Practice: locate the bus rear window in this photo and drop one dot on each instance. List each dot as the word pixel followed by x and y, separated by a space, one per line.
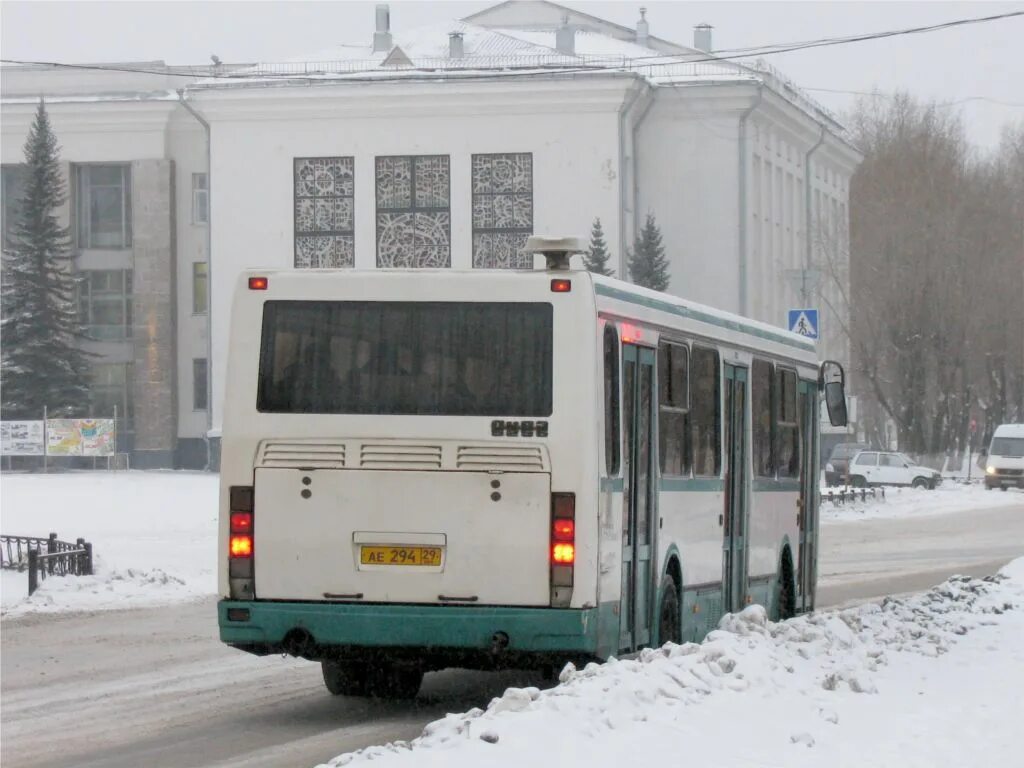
pixel 406 358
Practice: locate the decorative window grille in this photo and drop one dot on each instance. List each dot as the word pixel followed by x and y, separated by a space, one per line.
pixel 502 210
pixel 414 211
pixel 324 212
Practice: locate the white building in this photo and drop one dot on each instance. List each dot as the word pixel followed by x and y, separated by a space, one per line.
pixel 440 146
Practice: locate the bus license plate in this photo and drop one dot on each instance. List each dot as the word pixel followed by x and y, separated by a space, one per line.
pixel 400 556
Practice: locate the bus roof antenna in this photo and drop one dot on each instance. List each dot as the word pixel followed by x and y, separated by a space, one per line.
pixel 556 250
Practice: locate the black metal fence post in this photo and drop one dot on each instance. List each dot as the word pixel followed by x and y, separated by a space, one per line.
pixel 88 559
pixel 51 548
pixel 33 577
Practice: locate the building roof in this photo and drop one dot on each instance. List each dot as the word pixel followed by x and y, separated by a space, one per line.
pixel 515 37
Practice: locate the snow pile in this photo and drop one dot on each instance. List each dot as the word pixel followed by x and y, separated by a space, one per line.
pixel 916 502
pixel 153 534
pixel 758 692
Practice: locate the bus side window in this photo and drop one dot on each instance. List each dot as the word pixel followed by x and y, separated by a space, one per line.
pixel 787 430
pixel 673 409
pixel 611 400
pixel 706 412
pixel 761 387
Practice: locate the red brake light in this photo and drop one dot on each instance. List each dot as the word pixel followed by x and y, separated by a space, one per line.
pixel 563 554
pixel 561 285
pixel 564 530
pixel 241 522
pixel 241 545
pixel 258 283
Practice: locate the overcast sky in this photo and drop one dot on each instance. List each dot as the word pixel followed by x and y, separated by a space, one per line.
pixel 983 63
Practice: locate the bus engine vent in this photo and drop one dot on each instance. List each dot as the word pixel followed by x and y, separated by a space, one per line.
pixel 500 458
pixel 383 456
pixel 314 455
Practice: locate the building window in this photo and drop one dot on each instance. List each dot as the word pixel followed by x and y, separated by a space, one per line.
pixel 200 198
pixel 413 211
pixel 105 303
pixel 324 212
pixel 200 288
pixel 674 409
pixel 104 206
pixel 199 384
pixel 111 392
pixel 13 178
pixel 502 210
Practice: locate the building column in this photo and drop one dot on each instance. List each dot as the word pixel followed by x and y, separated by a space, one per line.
pixel 153 311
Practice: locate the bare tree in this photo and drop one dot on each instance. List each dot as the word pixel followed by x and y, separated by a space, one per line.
pixel 936 274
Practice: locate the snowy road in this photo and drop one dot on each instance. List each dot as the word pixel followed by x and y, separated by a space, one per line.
pixel 154 686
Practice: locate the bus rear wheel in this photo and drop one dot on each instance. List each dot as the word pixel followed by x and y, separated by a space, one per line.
pixel 395 681
pixel 669 628
pixel 345 678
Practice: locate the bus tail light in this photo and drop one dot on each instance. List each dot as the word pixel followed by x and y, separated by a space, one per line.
pixel 241 542
pixel 563 548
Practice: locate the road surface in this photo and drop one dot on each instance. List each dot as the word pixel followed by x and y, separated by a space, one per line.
pixel 154 687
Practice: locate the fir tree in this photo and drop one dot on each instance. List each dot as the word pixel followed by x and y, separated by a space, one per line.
pixel 596 257
pixel 40 364
pixel 648 266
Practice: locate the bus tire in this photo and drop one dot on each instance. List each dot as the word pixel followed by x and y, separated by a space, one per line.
pixel 786 603
pixel 669 624
pixel 345 678
pixel 395 681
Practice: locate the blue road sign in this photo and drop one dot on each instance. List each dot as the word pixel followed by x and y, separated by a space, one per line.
pixel 804 322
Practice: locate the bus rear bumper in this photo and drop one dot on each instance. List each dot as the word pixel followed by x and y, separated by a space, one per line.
pixel 435 635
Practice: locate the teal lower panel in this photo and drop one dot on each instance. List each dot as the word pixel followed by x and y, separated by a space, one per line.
pixel 413 626
pixel 702 610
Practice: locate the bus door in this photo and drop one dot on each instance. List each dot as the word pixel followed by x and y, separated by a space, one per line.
pixel 807 506
pixel 735 517
pixel 638 403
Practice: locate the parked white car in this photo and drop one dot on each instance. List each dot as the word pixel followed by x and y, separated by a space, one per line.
pixel 890 468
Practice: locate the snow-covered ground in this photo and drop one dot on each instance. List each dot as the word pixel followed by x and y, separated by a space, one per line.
pixel 914 502
pixel 932 680
pixel 153 535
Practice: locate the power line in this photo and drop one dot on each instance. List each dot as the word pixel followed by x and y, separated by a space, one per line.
pixel 885 95
pixel 653 61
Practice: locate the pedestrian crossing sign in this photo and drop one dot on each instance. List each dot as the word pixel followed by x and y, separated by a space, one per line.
pixel 804 322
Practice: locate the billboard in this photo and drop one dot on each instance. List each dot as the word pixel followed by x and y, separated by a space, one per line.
pixel 97 437
pixel 58 437
pixel 22 438
pixel 63 438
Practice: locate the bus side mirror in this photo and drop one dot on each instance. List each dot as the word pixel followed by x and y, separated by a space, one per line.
pixel 832 380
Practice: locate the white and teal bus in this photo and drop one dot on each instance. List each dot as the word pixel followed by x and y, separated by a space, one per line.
pixel 484 469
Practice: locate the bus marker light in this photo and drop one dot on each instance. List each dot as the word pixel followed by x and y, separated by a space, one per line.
pixel 241 545
pixel 561 285
pixel 563 553
pixel 258 283
pixel 631 333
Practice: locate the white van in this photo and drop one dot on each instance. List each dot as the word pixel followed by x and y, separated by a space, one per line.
pixel 1004 464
